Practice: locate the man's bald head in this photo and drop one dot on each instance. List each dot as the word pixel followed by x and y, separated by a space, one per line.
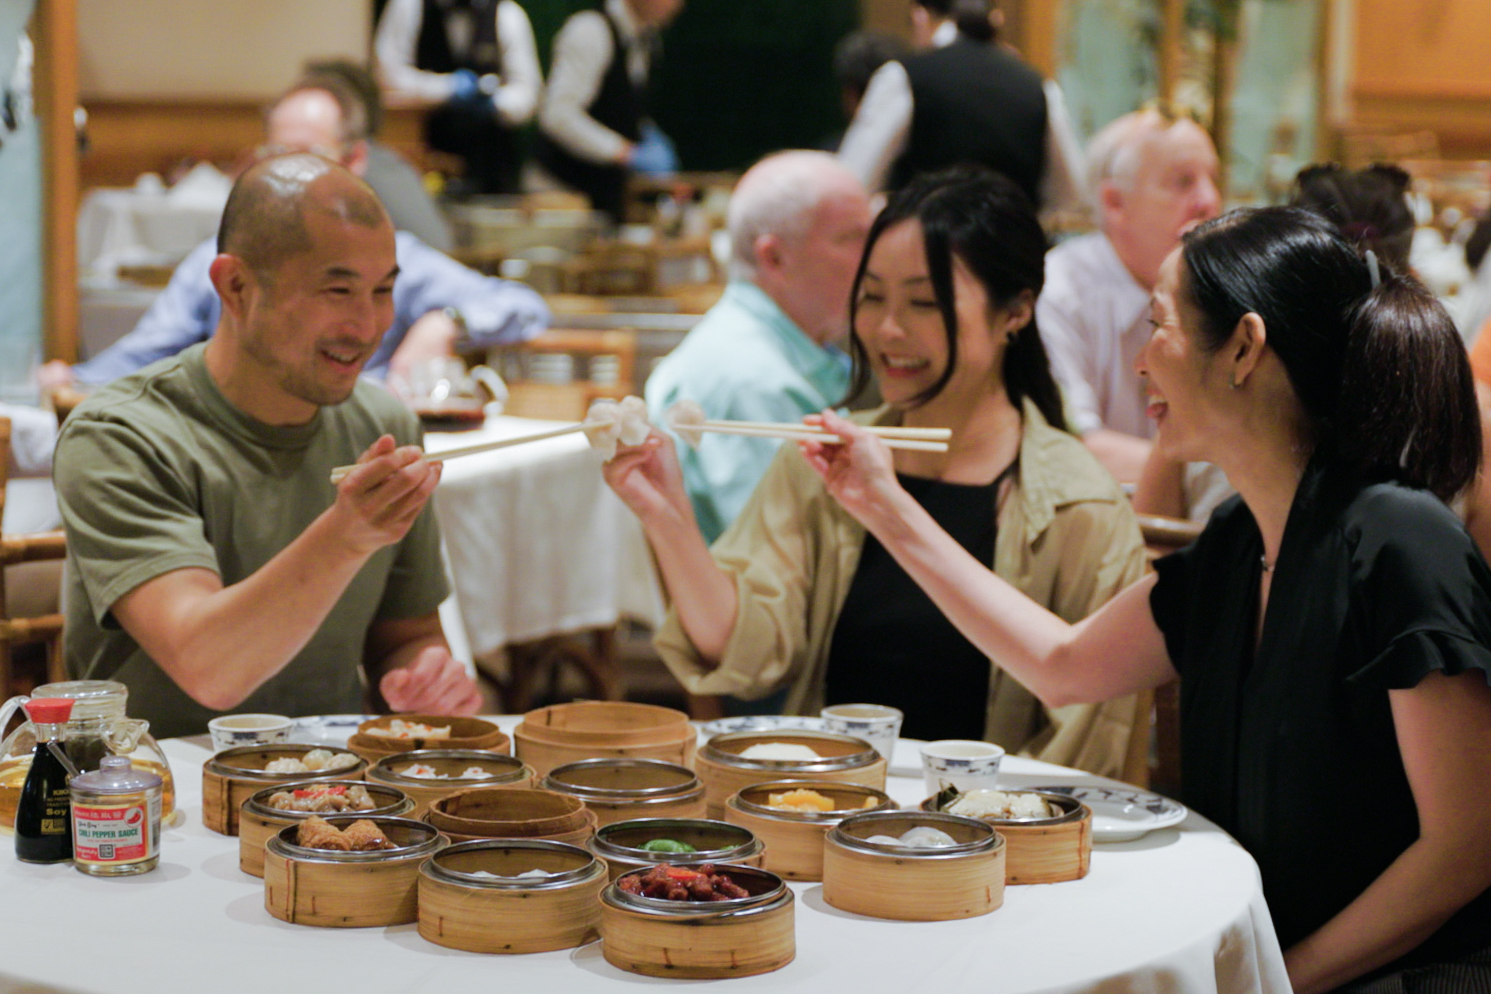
pixel 264 222
pixel 780 196
pixel 1155 177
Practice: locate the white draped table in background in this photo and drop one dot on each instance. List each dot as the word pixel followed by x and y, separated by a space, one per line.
pixel 1178 911
pixel 538 544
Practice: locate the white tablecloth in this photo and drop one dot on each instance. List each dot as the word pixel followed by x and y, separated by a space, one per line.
pixel 538 544
pixel 1179 911
pixel 131 227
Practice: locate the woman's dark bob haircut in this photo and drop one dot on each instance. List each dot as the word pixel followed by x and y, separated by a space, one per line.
pixel 986 221
pixel 1380 371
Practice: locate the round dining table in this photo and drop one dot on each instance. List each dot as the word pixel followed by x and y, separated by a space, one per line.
pixel 1179 910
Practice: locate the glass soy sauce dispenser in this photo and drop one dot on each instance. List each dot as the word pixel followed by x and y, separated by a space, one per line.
pixel 44 812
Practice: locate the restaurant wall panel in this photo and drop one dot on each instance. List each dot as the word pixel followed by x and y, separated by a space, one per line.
pixel 224 49
pixel 1424 66
pixel 167 80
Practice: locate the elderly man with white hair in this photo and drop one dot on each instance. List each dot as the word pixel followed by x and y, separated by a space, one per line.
pixel 766 351
pixel 1155 177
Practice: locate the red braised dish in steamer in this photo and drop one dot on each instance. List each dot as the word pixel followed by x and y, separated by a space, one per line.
pixel 676 883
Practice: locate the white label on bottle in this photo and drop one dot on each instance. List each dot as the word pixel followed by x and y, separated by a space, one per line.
pixel 116 833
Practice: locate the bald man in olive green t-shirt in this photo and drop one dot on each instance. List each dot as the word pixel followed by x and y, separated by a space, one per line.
pixel 213 566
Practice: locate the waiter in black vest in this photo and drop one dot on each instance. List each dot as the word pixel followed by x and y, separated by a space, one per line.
pixel 594 126
pixel 477 61
pixel 964 99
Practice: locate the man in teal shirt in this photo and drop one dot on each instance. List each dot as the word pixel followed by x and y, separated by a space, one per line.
pixel 766 351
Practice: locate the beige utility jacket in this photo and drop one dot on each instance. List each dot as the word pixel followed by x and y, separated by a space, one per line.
pixel 1066 537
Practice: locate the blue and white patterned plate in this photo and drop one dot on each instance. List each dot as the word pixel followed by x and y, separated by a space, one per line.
pixel 761 723
pixel 327 729
pixel 1120 814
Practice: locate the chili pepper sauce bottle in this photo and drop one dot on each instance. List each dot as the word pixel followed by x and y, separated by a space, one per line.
pixel 116 819
pixel 43 814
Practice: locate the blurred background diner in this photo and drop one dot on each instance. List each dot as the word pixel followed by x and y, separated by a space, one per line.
pixel 571 165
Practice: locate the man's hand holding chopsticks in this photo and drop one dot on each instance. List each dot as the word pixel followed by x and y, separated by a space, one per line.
pixel 378 501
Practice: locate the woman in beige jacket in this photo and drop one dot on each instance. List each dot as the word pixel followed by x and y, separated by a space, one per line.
pixel 796 594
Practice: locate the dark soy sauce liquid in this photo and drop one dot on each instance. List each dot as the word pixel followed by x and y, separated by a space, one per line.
pixel 43 814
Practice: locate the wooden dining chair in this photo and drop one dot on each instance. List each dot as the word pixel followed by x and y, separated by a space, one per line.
pixel 611 269
pixel 603 364
pixel 16 632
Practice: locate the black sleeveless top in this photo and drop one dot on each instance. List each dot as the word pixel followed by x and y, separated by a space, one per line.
pixel 621 106
pixel 975 103
pixel 891 644
pixel 433 52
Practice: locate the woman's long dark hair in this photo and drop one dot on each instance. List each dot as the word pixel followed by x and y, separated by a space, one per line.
pixel 1381 372
pixel 985 220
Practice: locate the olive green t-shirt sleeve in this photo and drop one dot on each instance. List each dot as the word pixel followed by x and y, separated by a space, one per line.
pixel 416 581
pixel 130 517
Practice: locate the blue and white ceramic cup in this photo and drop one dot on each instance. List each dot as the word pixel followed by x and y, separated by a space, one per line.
pixel 966 764
pixel 877 724
pixel 232 730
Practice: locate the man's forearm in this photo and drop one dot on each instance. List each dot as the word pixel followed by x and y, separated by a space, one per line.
pixel 702 593
pixel 223 645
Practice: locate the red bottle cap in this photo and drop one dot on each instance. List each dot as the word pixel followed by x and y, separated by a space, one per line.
pixel 49 710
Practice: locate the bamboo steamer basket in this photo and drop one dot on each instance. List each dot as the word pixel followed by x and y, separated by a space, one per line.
pixel 348 889
pixel 257 821
pixel 566 733
pixel 465 733
pixel 234 775
pixel 575 837
pixel 794 839
pixel 701 940
pixel 909 884
pixel 725 773
pixel 513 915
pixel 512 813
pixel 506 771
pixel 620 843
pixel 624 789
pixel 1043 850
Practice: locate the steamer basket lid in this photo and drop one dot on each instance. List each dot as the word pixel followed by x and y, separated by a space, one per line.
pixel 520 851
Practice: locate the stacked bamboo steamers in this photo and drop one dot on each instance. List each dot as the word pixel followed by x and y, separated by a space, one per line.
pixel 605 815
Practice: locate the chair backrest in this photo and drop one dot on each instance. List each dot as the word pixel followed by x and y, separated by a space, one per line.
pixel 1163 535
pixel 14 551
pixel 613 269
pixel 559 374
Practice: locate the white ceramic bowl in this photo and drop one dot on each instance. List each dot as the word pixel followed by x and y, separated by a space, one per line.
pixel 963 763
pixel 232 730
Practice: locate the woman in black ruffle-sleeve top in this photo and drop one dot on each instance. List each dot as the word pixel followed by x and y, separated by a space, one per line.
pixel 1331 627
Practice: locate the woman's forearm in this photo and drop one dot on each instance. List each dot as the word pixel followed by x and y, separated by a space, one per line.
pixel 701 592
pixel 1023 637
pixel 1412 898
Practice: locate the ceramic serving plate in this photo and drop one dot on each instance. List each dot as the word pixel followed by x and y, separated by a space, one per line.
pixel 327 729
pixel 761 723
pixel 1121 814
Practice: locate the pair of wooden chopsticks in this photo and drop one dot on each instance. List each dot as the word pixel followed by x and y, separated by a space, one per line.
pixel 340 473
pixel 919 439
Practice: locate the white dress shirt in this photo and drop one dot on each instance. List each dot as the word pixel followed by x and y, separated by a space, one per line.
pixel 582 55
pixel 1093 317
pixel 517 94
pixel 877 137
